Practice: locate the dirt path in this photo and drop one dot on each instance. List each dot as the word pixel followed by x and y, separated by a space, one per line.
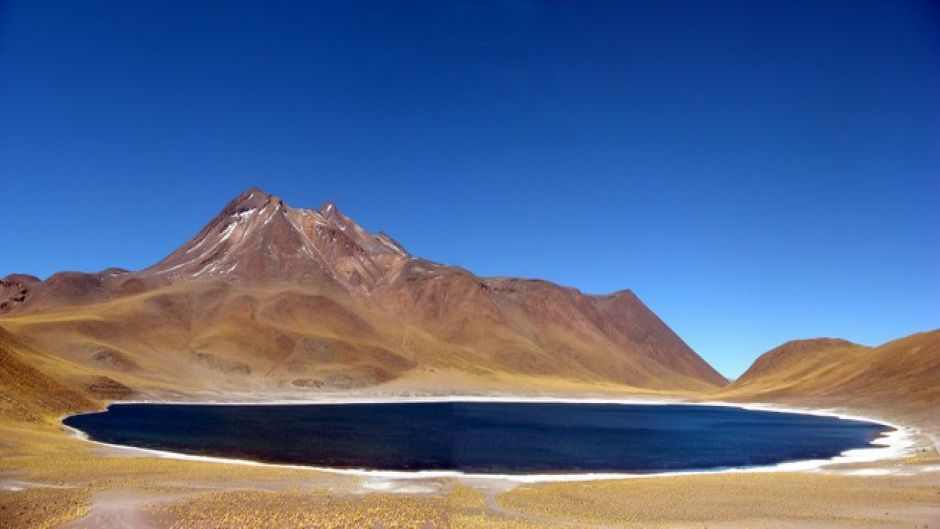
pixel 125 509
pixel 492 503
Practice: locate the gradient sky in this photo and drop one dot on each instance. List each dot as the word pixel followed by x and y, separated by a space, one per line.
pixel 755 171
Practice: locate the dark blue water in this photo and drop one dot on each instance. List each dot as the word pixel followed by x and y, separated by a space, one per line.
pixel 483 437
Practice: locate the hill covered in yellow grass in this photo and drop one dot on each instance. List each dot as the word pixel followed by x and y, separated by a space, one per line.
pixel 902 375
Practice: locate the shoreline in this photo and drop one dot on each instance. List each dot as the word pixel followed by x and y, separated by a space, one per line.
pixel 889 445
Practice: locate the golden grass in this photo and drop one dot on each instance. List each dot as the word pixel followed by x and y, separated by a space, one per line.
pixel 897 380
pixel 314 508
pixel 42 508
pixel 759 500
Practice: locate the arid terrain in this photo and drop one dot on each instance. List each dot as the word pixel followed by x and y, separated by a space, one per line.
pixel 271 302
pixel 269 297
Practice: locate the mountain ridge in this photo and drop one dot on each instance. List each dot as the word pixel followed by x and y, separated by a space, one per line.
pixel 271 295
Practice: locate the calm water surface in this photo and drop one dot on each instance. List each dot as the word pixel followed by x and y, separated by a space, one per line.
pixel 483 437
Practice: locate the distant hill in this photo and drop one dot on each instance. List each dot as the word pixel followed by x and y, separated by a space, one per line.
pixel 901 376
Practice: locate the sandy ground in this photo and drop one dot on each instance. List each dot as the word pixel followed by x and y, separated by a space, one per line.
pixel 50 478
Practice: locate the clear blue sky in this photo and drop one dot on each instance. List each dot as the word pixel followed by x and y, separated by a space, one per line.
pixel 755 171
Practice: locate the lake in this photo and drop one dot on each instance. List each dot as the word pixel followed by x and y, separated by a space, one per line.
pixel 483 437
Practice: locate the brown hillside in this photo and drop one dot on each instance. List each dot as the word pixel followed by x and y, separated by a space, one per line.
pixel 902 375
pixel 274 298
pixel 28 394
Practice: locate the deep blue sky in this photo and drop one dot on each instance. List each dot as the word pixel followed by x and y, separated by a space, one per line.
pixel 755 171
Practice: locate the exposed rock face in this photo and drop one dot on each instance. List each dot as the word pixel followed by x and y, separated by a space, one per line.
pixel 307 298
pixel 113 360
pixel 14 290
pixel 258 239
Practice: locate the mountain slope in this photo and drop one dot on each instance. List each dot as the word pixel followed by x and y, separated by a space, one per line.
pixel 799 366
pixel 274 298
pixel 901 375
pixel 28 394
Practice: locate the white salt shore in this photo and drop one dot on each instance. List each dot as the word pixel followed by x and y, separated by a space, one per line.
pixel 891 445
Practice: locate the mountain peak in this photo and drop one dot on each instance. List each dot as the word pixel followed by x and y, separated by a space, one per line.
pixel 328 209
pixel 249 199
pixel 258 238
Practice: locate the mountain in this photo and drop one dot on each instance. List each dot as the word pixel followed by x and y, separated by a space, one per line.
pixel 274 298
pixel 259 239
pixel 901 375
